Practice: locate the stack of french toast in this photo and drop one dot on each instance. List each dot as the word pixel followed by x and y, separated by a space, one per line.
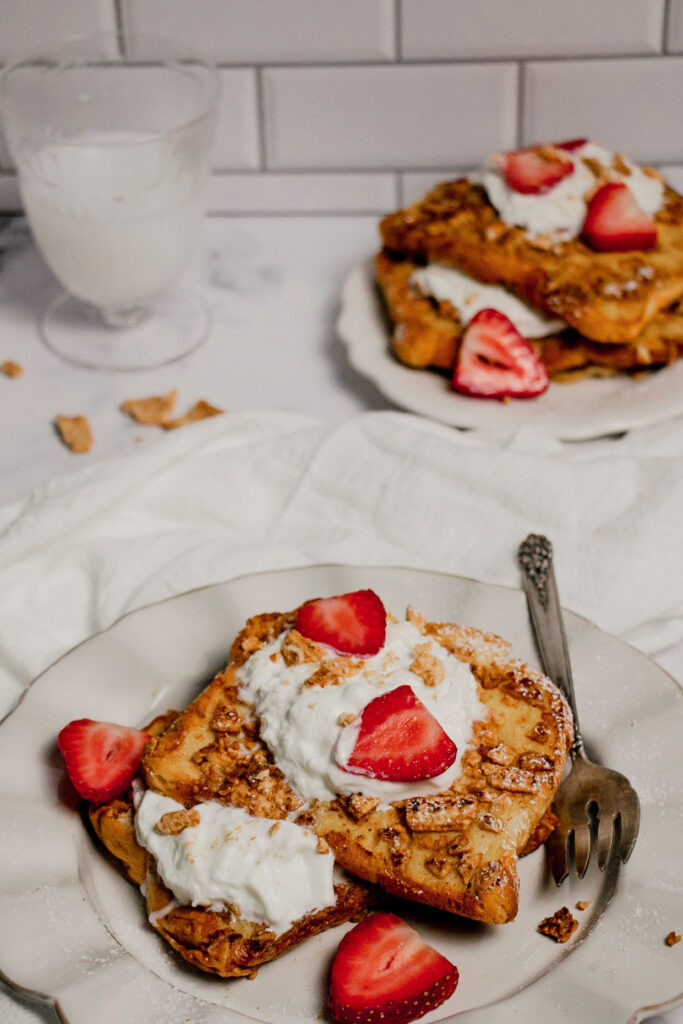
pixel 341 756
pixel 578 249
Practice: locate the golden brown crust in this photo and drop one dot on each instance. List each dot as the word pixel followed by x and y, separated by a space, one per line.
pixel 220 943
pixel 608 297
pixel 457 851
pixel 427 334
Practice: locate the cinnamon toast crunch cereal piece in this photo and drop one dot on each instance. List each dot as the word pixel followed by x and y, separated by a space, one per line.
pixel 11 369
pixel 201 410
pixel 153 411
pixel 75 432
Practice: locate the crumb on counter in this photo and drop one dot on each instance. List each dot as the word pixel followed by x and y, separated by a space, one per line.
pixel 560 926
pixel 672 938
pixel 11 369
pixel 201 410
pixel 153 411
pixel 75 432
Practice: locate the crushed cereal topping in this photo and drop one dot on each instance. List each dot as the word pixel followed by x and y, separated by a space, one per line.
pixel 427 666
pixel 672 938
pixel 173 823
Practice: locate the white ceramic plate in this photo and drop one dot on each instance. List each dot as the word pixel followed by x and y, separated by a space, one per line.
pixel 571 412
pixel 73 930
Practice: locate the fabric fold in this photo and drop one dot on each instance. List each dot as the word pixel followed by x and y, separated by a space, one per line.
pixel 256 491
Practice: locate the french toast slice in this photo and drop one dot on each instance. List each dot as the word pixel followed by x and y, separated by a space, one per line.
pixel 218 942
pixel 427 333
pixel 457 849
pixel 605 296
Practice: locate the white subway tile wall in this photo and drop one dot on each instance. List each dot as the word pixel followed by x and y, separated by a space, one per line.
pixel 411 116
pixel 272 31
pixel 354 106
pixel 448 30
pixel 630 104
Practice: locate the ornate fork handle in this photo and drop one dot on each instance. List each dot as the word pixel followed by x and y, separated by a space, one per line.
pixel 538 576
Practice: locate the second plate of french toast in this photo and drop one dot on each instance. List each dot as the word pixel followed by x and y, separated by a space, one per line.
pixel 544 289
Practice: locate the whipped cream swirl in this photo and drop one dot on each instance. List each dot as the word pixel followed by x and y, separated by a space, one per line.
pixel 561 211
pixel 302 725
pixel 271 871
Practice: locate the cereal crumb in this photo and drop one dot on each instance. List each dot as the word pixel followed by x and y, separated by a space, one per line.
pixel 275 827
pixel 583 904
pixel 201 410
pixel 427 666
pixel 321 845
pixel 152 411
pixel 75 432
pixel 173 823
pixel 560 927
pixel 346 719
pixel 672 938
pixel 11 369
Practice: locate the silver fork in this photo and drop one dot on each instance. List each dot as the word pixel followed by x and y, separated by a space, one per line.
pixel 589 790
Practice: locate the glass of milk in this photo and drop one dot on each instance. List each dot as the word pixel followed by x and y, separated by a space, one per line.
pixel 111 138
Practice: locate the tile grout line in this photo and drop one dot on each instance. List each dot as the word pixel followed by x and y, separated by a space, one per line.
pixel 665 25
pixel 521 100
pixel 398 34
pixel 261 119
pixel 439 62
pixel 119 22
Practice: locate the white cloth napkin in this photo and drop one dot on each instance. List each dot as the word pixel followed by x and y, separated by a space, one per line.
pixel 247 492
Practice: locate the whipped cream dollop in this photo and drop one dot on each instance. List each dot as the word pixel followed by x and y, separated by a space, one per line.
pixel 561 210
pixel 302 725
pixel 270 870
pixel 469 297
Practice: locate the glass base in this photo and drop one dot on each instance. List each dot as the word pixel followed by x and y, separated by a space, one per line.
pixel 171 327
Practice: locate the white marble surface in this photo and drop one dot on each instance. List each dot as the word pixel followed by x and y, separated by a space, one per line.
pixel 273 285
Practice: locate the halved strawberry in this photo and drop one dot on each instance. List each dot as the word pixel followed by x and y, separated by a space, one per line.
pixel 101 758
pixel 354 623
pixel 535 169
pixel 495 361
pixel 615 223
pixel 397 738
pixel 383 971
pixel 570 145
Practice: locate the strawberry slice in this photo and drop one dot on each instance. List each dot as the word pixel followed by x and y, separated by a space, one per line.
pixel 535 169
pixel 615 223
pixel 383 971
pixel 397 738
pixel 495 361
pixel 101 758
pixel 570 145
pixel 354 623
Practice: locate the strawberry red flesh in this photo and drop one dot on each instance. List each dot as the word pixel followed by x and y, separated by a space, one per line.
pixel 383 971
pixel 495 361
pixel 101 758
pixel 354 623
pixel 615 223
pixel 535 169
pixel 399 739
pixel 570 145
